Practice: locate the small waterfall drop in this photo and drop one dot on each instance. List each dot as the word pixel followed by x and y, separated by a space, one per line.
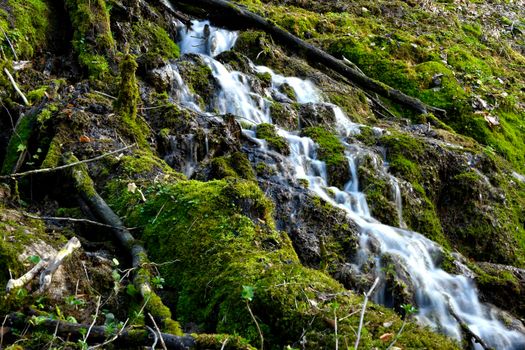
pixel 436 290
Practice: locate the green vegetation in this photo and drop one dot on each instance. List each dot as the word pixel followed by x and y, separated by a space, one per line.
pixel 223 234
pixel 332 152
pixel 446 60
pixel 92 40
pixel 25 23
pixel 235 165
pixel 268 133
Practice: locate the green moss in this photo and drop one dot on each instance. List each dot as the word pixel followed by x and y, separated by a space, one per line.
pixel 22 231
pixel 37 95
pixel 26 25
pixel 223 234
pixel 127 102
pixel 220 342
pixel 235 165
pixel 18 142
pixel 332 152
pixel 156 39
pixel 54 153
pixel 92 39
pixel 268 133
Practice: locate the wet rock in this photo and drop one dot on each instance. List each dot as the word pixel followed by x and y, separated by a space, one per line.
pixel 314 114
pixel 503 286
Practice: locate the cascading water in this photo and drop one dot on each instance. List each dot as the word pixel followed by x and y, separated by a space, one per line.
pixel 436 290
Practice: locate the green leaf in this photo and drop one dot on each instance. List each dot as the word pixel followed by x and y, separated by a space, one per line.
pixel 247 293
pixel 34 259
pixel 21 147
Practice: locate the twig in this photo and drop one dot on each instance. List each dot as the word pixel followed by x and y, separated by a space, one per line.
pixel 49 170
pixel 224 343
pixel 367 295
pixel 54 337
pixel 256 324
pixel 335 326
pixel 112 339
pixel 10 45
pixel 2 332
pixel 86 221
pixel 398 333
pixel 465 328
pixel 155 339
pixel 94 320
pixel 27 277
pixel 17 89
pixel 104 94
pixel 158 331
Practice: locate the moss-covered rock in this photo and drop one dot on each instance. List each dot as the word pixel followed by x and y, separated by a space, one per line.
pixel 223 235
pixel 268 133
pixel 92 40
pixel 332 152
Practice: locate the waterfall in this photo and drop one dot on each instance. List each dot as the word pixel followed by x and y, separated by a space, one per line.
pixel 436 290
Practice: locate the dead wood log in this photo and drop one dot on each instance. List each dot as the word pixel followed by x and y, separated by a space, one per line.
pixel 98 334
pixel 56 261
pixel 226 13
pixel 86 188
pixel 48 265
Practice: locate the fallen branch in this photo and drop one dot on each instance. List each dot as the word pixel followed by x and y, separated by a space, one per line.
pixel 15 86
pixel 99 334
pixel 466 329
pixel 74 220
pixel 49 266
pixel 66 166
pixel 26 278
pixel 47 275
pixel 86 188
pixel 228 14
pixel 361 319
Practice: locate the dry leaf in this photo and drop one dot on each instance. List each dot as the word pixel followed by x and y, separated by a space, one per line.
pixel 386 337
pixel 84 139
pixel 132 187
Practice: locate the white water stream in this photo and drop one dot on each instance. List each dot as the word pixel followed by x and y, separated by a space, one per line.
pixel 435 289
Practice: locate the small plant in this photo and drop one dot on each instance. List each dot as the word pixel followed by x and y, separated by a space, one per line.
pixel 158 282
pixel 409 310
pixel 247 294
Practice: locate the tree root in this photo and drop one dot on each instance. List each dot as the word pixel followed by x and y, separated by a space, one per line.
pixel 228 14
pixel 86 188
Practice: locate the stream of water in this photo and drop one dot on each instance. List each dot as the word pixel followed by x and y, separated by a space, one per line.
pixel 436 290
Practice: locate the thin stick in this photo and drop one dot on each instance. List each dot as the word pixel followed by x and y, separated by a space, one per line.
pixel 367 295
pixel 104 94
pixel 335 326
pixel 49 170
pixel 2 332
pixel 112 339
pixel 54 337
pixel 86 221
pixel 223 343
pixel 159 332
pixel 17 89
pixel 94 320
pixel 10 45
pixel 155 339
pixel 256 324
